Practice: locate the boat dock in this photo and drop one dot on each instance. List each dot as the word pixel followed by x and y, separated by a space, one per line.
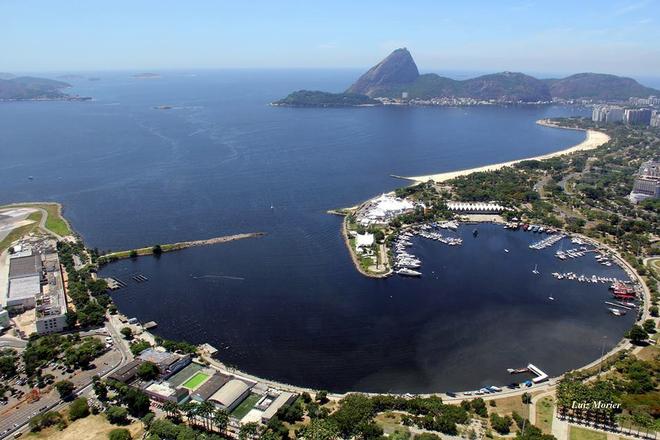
pixel 540 375
pixel 140 278
pixel 114 283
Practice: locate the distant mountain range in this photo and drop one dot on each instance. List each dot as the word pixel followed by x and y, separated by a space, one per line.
pixel 398 73
pixel 31 88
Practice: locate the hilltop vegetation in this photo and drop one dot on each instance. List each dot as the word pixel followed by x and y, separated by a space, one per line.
pixel 313 98
pixel 27 87
pixel 398 73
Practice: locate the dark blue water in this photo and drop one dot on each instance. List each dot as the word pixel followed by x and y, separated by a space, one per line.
pixel 294 309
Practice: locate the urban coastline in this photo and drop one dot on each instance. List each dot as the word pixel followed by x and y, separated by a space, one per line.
pixel 373 258
pixel 53 289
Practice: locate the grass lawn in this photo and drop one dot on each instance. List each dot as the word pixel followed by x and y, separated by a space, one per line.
pixel 245 406
pixel 586 434
pixel 196 380
pixel 16 234
pixel 391 422
pixel 507 405
pixel 654 264
pixel 544 412
pixel 54 221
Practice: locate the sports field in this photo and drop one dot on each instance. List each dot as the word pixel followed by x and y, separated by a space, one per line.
pixel 195 380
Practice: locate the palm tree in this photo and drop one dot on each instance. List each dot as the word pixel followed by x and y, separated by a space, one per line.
pixel 221 419
pixel 249 431
pixel 205 410
pixel 190 410
pixel 172 409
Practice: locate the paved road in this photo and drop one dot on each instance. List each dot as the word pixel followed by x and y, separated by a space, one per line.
pixel 11 342
pixel 17 418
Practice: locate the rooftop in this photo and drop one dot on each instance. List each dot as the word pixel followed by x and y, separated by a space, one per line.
pixel 24 287
pixel 209 388
pixel 230 392
pixel 24 266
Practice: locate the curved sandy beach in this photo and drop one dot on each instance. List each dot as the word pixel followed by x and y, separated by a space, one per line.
pixel 593 140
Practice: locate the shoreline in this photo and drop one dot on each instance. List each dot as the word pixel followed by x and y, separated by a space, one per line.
pixel 593 140
pixel 356 262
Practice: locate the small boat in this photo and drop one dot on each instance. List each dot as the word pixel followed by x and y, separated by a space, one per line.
pixel 408 272
pixel 517 370
pixel 616 312
pixel 551 298
pixel 536 269
pixel 475 233
pixel 506 250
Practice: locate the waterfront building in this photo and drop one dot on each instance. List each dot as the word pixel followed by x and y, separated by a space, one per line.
pixel 210 387
pixel 476 207
pixel 647 183
pixel 36 282
pixel 163 392
pixel 363 242
pixel 272 402
pixel 231 394
pixel 168 363
pixel 383 209
pixel 128 372
pixel 637 116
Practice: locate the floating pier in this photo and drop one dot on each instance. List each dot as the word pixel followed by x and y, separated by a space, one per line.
pixel 540 375
pixel 140 278
pixel 114 283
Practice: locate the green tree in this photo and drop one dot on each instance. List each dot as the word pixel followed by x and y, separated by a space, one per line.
pixel 322 397
pixel 221 419
pixel 249 431
pixel 319 429
pixel 138 347
pixel 99 388
pixel 8 364
pixel 117 415
pixel 119 434
pixel 501 424
pixel 157 250
pixel 65 388
pixel 479 407
pixel 79 409
pixel 148 371
pixel 637 334
pixel 127 333
pixel 649 326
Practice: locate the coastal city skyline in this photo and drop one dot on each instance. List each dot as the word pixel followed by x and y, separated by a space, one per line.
pixel 616 37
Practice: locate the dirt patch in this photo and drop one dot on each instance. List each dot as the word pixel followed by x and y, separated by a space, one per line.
pixel 90 428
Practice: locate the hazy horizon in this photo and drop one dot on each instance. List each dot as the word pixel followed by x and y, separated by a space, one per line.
pixel 523 36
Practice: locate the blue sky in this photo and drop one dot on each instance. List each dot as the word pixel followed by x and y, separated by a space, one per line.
pixel 620 37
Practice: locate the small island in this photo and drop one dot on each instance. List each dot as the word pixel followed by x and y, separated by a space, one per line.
pixel 146 75
pixel 314 98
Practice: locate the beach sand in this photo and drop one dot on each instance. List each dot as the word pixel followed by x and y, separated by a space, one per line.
pixel 593 140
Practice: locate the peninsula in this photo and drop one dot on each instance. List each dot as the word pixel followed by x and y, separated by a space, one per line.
pixel 28 88
pixel 396 80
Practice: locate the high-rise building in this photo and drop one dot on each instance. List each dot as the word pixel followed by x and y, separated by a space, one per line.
pixel 635 116
pixel 655 118
pixel 647 183
pixel 607 113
